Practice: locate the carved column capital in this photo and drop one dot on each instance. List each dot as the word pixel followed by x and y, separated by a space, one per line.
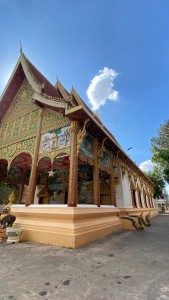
pixel 74 127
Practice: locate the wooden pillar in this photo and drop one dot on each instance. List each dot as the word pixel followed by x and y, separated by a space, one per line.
pixel 96 179
pixel 73 173
pixel 33 175
pixel 112 183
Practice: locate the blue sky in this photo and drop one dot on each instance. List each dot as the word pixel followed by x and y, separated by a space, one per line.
pixel 75 39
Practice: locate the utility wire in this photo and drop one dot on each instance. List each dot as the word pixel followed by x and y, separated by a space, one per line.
pixel 142 155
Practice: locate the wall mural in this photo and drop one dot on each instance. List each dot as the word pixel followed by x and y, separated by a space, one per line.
pixel 85 192
pixel 86 151
pixel 105 162
pixel 55 139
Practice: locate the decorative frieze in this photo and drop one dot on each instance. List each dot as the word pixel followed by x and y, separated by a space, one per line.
pixel 53 120
pixel 10 152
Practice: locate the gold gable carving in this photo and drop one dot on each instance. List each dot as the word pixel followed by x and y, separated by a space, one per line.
pixel 22 103
pixel 20 121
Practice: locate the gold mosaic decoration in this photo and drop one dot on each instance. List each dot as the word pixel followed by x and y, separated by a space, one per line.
pixel 22 103
pixel 53 154
pixel 19 123
pixel 53 120
pixel 10 152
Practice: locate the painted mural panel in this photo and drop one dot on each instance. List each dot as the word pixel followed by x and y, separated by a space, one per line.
pixel 87 146
pixel 86 192
pixel 54 139
pixel 105 161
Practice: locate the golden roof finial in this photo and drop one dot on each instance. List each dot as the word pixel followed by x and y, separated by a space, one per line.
pixel 20 48
pixel 57 77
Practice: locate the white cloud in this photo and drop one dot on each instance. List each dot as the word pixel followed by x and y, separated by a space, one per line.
pixel 146 165
pixel 101 88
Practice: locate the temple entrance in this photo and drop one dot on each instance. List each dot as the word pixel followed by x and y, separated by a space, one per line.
pixel 139 199
pixel 105 197
pixel 42 191
pixel 18 176
pixel 133 195
pixel 85 183
pixel 58 183
pixel 52 183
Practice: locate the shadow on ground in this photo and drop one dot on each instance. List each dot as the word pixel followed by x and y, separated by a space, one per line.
pixel 126 265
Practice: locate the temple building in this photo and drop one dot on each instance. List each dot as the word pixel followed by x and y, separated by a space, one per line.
pixel 72 180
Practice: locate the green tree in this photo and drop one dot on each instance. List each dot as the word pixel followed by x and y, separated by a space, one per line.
pixel 157 178
pixel 160 149
pixel 5 191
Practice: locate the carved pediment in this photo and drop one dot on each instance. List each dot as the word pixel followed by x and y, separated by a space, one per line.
pixel 21 104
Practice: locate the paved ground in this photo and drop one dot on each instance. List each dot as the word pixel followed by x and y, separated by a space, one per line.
pixel 123 266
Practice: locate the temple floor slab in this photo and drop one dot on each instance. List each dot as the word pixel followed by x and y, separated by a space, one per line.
pixel 68 226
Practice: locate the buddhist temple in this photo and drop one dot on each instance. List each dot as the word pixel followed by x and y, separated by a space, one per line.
pixel 71 178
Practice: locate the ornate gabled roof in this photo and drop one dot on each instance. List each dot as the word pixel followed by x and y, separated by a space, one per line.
pixel 25 69
pixel 64 93
pixel 48 88
pixel 11 88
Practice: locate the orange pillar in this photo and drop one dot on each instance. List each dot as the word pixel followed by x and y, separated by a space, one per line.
pixel 73 173
pixel 33 175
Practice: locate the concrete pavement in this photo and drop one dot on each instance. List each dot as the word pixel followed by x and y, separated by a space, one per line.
pixel 126 265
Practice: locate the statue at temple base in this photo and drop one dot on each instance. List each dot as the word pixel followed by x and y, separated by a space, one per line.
pixel 6 219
